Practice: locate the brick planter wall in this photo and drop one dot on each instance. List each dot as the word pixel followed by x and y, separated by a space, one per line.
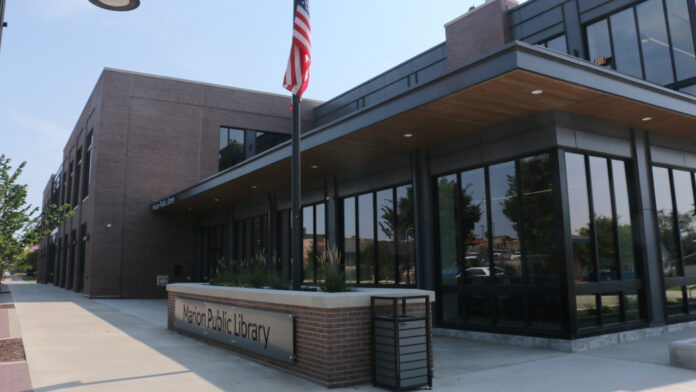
pixel 333 346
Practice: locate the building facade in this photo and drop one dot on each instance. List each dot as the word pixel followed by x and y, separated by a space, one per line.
pixel 536 170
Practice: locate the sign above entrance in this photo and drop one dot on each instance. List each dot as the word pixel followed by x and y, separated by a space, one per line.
pixel 271 334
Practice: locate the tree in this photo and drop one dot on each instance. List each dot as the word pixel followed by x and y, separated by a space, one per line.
pixel 21 225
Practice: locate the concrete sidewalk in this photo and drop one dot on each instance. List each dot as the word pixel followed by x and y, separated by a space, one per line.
pixel 73 343
pixel 14 374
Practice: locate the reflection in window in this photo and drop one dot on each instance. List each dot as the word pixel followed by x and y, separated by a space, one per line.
pixel 251 239
pixel 474 227
pixel 684 195
pixel 598 43
pixel 558 44
pixel 586 314
pixel 350 244
pixel 447 196
pixel 507 260
pixel 632 305
pixel 623 221
pixel 385 239
pixel 654 42
pixel 691 297
pixel 611 309
pixel 675 300
pixel 539 239
pixel 665 223
pixel 583 262
pixel 603 219
pixel 510 310
pixel 451 309
pixel 682 39
pixel 231 147
pixel 623 33
pixel 366 233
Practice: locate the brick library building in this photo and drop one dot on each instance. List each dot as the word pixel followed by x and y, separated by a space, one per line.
pixel 536 170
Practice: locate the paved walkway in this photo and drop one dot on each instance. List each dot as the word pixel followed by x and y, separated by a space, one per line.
pixel 14 374
pixel 73 343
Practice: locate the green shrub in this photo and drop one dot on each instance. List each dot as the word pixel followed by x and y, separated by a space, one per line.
pixel 335 278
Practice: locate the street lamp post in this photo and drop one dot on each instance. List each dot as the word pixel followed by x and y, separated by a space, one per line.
pixel 3 24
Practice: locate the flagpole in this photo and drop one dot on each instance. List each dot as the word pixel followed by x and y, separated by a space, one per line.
pixel 296 197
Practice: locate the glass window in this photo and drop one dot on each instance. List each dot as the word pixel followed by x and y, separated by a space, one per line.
pixel 474 227
pixel 89 141
pixel 544 310
pixel 478 309
pixel 406 231
pixel 558 44
pixel 78 173
pixel 451 309
pixel 691 296
pixel 623 33
pixel 623 221
pixel 320 240
pixel 386 222
pixel 539 238
pixel 689 90
pixel 350 240
pixel 366 233
pixel 308 247
pixel 654 42
pixel 684 195
pixel 675 300
pixel 587 315
pixel 682 39
pixel 510 310
pixel 231 151
pixel 632 306
pixel 611 309
pixel 665 222
pixel 446 192
pixel 507 260
pixel 598 43
pixel 603 219
pixel 583 264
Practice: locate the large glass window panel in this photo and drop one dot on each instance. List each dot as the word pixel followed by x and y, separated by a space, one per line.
pixel 539 225
pixel 675 300
pixel 507 259
pixel 474 227
pixel 366 234
pixel 665 222
pixel 654 42
pixel 598 42
pixel 586 313
pixel 558 44
pixel 682 38
pixel 405 235
pixel 248 240
pixel 320 232
pixel 350 244
pixel 623 221
pixel 386 222
pixel 691 297
pixel 689 90
pixel 625 39
pixel 223 137
pixel 684 194
pixel 446 200
pixel 604 219
pixel 308 249
pixel 583 260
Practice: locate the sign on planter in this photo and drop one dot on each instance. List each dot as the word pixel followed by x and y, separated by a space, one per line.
pixel 260 331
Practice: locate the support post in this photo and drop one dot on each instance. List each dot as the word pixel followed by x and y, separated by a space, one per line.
pixel 296 197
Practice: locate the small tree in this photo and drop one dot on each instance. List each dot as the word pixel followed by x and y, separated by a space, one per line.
pixel 21 225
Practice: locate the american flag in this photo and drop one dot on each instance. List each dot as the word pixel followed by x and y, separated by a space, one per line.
pixel 297 73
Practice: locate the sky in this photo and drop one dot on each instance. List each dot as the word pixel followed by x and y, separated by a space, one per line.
pixel 53 52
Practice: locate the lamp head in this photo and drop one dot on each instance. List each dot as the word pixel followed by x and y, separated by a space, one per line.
pixel 116 5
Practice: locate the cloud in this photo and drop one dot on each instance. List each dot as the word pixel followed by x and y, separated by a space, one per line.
pixel 51 132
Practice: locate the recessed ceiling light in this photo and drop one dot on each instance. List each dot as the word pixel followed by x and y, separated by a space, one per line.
pixel 408 135
pixel 646 119
pixel 215 200
pixel 188 209
pixel 314 166
pixel 537 92
pixel 254 187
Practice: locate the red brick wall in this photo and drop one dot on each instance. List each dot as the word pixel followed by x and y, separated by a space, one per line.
pixel 333 347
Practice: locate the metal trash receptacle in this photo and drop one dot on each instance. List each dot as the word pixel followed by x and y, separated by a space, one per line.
pixel 402 344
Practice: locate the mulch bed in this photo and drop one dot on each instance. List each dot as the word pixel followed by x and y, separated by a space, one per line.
pixel 11 350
